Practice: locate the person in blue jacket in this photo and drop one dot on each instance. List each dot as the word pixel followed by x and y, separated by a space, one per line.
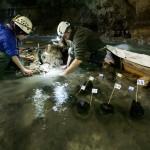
pixel 10 34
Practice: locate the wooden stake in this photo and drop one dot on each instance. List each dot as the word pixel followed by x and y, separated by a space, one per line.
pixel 91 99
pixel 136 98
pixel 111 95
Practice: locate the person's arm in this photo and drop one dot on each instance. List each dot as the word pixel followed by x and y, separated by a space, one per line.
pixel 25 71
pixel 69 60
pixel 72 66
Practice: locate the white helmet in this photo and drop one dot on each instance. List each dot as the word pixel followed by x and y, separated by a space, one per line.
pixel 23 23
pixel 63 25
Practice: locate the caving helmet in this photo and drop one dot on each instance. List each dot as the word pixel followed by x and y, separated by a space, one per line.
pixel 61 29
pixel 23 23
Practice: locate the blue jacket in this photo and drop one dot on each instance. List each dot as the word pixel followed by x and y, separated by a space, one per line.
pixel 8 41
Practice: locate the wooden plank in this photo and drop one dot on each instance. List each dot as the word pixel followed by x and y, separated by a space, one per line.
pixel 136 69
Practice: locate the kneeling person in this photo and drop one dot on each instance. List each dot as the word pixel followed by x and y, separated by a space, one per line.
pixel 10 34
pixel 85 45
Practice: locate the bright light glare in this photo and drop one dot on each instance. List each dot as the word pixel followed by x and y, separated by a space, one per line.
pixel 39 99
pixel 61 95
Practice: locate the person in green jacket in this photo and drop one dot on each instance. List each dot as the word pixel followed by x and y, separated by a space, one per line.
pixel 84 46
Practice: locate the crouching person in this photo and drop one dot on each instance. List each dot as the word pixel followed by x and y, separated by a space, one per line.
pixel 85 46
pixel 10 34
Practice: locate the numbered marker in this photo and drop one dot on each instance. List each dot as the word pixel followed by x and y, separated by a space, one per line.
pixel 83 87
pixel 140 82
pixel 119 75
pixel 91 78
pixel 101 76
pixel 94 91
pixel 130 88
pixel 117 86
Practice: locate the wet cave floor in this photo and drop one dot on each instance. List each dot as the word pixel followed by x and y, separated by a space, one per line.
pixel 40 112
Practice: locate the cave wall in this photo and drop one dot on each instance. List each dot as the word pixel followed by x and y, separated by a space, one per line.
pixel 133 15
pixel 114 18
pixel 141 27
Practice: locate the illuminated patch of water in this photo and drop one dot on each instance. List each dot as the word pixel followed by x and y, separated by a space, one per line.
pixel 39 99
pixel 60 96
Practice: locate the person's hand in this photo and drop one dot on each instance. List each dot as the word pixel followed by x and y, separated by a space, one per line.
pixel 27 72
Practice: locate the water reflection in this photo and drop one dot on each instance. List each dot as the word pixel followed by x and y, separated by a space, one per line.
pixel 39 99
pixel 60 96
pixel 134 47
pixel 124 46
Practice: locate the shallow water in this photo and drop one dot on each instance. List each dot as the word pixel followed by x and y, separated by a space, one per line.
pixel 39 112
pixel 134 47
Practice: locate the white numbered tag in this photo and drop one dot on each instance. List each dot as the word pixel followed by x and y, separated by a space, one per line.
pixel 117 86
pixel 91 78
pixel 94 91
pixel 101 76
pixel 119 75
pixel 140 82
pixel 131 88
pixel 83 87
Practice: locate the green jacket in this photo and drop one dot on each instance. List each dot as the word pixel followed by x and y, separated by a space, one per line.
pixel 86 45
